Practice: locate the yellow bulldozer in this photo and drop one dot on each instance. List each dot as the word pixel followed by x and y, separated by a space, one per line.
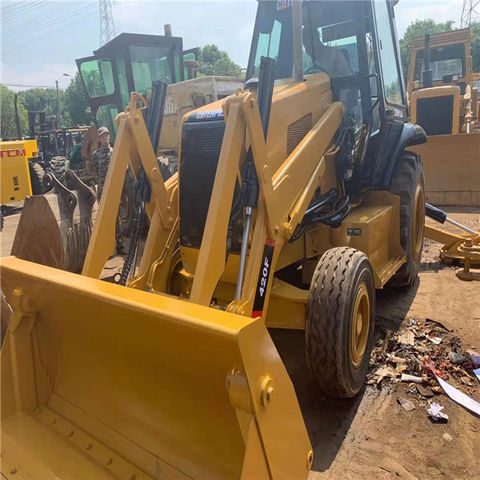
pixel 444 101
pixel 295 200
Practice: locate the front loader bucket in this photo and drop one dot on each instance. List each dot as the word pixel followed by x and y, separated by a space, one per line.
pixel 104 381
pixel 451 164
pixel 55 228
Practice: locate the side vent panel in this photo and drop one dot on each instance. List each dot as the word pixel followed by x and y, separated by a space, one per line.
pixel 297 131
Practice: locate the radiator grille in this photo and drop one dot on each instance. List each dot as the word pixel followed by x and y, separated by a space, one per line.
pixel 201 145
pixel 435 114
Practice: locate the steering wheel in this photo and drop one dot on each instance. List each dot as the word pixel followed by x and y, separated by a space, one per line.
pixel 315 69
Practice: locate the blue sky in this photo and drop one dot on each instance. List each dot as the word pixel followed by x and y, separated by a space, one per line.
pixel 41 38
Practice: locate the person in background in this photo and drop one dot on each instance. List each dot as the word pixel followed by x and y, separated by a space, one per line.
pixel 330 60
pixel 101 159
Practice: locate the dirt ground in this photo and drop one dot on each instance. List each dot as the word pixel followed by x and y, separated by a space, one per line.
pixel 373 437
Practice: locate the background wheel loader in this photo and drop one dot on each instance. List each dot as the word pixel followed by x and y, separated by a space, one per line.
pixel 129 62
pixel 443 100
pixel 21 172
pixel 295 200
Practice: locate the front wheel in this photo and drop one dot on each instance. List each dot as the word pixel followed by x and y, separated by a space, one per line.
pixel 340 322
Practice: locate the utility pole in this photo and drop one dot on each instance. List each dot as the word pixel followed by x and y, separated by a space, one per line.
pixel 59 119
pixel 107 25
pixel 470 12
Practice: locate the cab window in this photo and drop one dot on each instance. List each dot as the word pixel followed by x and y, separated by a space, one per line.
pixel 98 77
pixel 388 58
pixel 150 63
pixel 272 38
pixel 448 60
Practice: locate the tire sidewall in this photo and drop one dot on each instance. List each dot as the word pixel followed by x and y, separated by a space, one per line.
pixel 356 376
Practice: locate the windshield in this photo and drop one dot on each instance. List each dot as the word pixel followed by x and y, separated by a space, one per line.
pixel 150 63
pixel 272 38
pixel 330 38
pixel 448 60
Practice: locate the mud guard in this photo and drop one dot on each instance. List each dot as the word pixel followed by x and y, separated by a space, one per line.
pixel 140 385
pixel 412 134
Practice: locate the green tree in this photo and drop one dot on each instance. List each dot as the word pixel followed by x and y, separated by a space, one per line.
pixel 41 100
pixel 8 127
pixel 214 61
pixel 76 102
pixel 475 29
pixel 419 28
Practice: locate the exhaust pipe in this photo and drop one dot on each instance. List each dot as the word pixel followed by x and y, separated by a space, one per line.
pixel 427 70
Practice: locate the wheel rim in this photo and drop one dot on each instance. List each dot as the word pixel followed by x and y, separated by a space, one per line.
pixel 418 221
pixel 360 325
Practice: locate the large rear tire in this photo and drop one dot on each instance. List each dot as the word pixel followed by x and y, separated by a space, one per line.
pixel 36 178
pixel 340 322
pixel 409 184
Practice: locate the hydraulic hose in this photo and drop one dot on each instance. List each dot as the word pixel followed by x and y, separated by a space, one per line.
pixel 331 218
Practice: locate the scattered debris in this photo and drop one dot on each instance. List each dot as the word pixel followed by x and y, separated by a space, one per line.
pixel 406 404
pixel 426 392
pixel 383 372
pixel 447 437
pixel 477 373
pixel 435 412
pixel 418 354
pixel 475 359
pixel 407 338
pixel 456 358
pixel 435 340
pixel 411 378
pixel 439 324
pixel 459 397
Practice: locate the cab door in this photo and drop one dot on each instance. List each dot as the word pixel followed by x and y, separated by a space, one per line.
pixel 392 108
pixel 99 77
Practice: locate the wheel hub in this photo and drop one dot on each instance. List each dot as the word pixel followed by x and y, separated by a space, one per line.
pixel 418 221
pixel 360 326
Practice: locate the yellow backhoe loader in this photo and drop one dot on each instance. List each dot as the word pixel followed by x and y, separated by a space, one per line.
pixel 443 100
pixel 296 199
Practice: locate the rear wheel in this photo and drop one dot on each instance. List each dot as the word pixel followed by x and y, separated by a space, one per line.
pixel 36 178
pixel 409 184
pixel 340 322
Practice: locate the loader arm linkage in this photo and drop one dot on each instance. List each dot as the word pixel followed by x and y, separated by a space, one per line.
pixel 223 405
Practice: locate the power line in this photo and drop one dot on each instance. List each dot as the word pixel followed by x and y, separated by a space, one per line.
pixel 27 86
pixel 34 25
pixel 65 20
pixel 20 12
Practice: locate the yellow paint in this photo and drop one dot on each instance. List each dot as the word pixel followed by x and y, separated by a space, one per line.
pixel 14 171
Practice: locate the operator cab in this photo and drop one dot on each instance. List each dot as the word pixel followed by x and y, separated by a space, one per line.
pixel 354 43
pixel 450 60
pixel 130 63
